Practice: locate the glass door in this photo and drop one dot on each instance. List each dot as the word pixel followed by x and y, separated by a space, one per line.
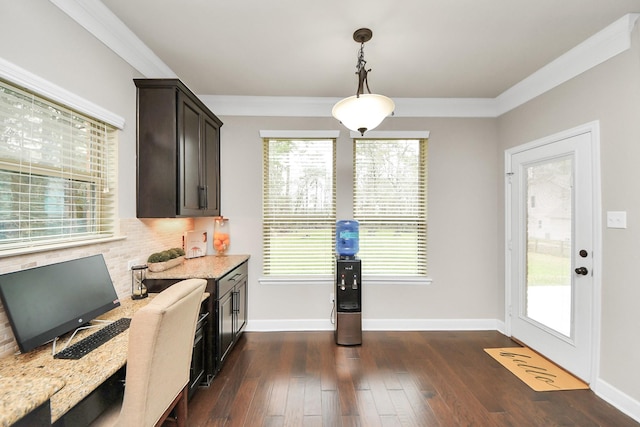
pixel 550 233
pixel 549 219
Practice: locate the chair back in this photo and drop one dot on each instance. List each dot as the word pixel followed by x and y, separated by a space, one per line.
pixel 159 353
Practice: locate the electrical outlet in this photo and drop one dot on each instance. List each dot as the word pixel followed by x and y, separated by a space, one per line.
pixel 130 264
pixel 332 297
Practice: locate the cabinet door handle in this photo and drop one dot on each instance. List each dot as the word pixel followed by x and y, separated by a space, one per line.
pixel 202 195
pixel 234 276
pixel 237 297
pixel 233 302
pixel 206 197
pixel 236 302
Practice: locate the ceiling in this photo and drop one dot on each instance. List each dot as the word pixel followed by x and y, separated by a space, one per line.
pixel 419 49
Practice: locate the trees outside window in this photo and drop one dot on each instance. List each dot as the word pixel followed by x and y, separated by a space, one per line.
pixel 57 173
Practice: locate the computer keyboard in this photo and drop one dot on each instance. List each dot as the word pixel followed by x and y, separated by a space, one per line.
pixel 95 340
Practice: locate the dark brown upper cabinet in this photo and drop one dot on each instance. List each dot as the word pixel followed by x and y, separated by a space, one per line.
pixel 178 147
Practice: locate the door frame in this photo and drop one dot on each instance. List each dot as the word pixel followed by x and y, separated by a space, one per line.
pixel 592 128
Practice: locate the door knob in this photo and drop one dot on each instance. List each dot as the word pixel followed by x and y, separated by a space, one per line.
pixel 582 270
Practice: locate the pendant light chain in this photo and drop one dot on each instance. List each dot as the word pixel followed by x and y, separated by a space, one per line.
pixel 362 72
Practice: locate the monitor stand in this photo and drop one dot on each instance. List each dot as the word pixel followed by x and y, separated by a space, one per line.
pixel 81 328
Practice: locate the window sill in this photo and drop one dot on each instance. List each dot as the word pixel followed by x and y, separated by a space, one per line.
pixel 56 246
pixel 325 279
pixel 397 280
pixel 329 280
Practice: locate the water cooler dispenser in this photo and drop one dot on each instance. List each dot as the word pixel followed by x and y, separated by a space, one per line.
pixel 348 285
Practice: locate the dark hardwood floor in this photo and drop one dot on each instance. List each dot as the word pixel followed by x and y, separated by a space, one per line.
pixel 392 379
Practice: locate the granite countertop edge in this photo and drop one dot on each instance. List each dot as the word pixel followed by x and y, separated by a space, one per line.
pixel 30 392
pixel 206 267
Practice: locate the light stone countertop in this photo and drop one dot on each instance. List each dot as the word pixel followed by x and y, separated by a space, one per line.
pixel 30 379
pixel 20 395
pixel 206 267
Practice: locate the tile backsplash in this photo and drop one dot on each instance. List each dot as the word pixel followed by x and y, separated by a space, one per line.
pixel 143 237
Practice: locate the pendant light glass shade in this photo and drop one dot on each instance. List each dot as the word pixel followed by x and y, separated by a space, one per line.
pixel 363 112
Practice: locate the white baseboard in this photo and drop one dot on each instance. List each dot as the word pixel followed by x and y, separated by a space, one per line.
pixel 287 325
pixel 282 325
pixel 432 325
pixel 623 402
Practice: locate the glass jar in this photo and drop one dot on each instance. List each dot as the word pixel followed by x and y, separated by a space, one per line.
pixel 221 238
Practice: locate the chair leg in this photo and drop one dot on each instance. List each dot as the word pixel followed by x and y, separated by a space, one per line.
pixel 181 408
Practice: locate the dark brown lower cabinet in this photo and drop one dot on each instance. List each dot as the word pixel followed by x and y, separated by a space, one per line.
pixel 217 333
pixel 232 310
pixel 198 372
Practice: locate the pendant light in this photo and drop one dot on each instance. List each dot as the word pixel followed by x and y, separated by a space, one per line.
pixel 363 111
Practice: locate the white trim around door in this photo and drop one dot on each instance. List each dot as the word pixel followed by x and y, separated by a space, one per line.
pixel 592 130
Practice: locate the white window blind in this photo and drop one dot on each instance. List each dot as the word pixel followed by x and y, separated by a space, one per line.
pixel 57 173
pixel 299 206
pixel 390 204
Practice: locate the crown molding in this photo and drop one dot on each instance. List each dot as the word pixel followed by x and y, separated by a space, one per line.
pixel 287 134
pixel 96 18
pixel 269 106
pixel 392 134
pixel 292 106
pixel 609 42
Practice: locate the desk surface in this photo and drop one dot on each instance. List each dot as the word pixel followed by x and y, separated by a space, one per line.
pixel 28 380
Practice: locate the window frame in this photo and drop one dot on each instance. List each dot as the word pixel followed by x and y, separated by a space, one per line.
pixel 422 139
pixel 24 80
pixel 294 136
pixel 329 279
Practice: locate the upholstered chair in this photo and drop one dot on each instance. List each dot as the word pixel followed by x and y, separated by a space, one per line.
pixel 158 358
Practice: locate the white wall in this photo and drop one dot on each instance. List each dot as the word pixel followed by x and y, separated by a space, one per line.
pixel 462 209
pixel 609 93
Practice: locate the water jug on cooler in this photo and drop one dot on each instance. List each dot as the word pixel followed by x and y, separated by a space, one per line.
pixel 347 238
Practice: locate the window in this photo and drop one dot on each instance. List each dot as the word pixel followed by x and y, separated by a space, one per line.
pixel 57 173
pixel 299 206
pixel 390 204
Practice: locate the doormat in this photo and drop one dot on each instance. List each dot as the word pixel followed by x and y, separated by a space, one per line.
pixel 534 370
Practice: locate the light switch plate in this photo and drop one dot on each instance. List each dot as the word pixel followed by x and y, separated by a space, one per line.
pixel 617 219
